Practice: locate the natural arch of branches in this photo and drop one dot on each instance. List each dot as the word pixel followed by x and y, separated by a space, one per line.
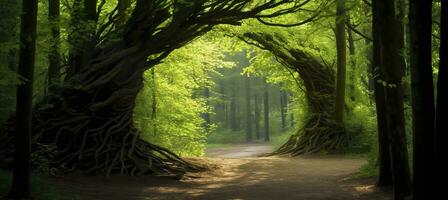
pixel 86 124
pixel 320 132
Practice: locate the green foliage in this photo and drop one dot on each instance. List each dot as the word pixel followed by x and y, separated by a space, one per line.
pixel 177 123
pixel 225 136
pixel 361 126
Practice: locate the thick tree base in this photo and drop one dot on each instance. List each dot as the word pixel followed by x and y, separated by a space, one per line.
pixel 113 149
pixel 319 134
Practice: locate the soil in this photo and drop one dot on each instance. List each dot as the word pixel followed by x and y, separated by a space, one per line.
pixel 238 174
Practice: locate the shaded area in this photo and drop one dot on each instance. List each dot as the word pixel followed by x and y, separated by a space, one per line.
pixel 324 177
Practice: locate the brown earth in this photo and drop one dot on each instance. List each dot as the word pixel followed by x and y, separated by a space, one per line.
pixel 239 175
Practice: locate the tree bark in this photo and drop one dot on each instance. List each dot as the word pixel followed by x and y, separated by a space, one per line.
pixel 267 136
pixel 20 187
pixel 392 42
pixel 283 108
pixel 54 57
pixel 154 102
pixel 442 105
pixel 352 51
pixel 423 108
pixel 257 115
pixel 248 110
pixel 341 62
pixel 384 159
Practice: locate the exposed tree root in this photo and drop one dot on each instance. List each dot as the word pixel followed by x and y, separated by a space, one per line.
pixel 80 141
pixel 319 134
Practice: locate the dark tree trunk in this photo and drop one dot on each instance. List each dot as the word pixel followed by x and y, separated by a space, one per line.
pixel 393 66
pixel 20 187
pixel 352 51
pixel 267 136
pixel 423 108
pixel 54 58
pixel 248 110
pixel 283 108
pixel 341 46
pixel 320 131
pixel 442 104
pixel 257 118
pixel 384 160
pixel 224 106
pixel 154 102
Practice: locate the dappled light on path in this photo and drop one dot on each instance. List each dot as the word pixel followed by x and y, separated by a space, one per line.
pixel 323 177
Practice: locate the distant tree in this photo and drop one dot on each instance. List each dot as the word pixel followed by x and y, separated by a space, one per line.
pixel 267 133
pixel 20 187
pixel 257 118
pixel 249 122
pixel 283 108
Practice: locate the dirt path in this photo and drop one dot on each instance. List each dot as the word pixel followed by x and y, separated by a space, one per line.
pixel 238 151
pixel 237 178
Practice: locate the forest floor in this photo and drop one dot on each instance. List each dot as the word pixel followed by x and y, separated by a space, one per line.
pixel 239 175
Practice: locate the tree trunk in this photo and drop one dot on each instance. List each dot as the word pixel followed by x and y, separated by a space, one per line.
pixel 384 159
pixel 423 108
pixel 320 132
pixel 257 115
pixel 283 108
pixel 248 110
pixel 352 51
pixel 442 99
pixel 267 136
pixel 341 62
pixel 20 187
pixel 393 65
pixel 154 102
pixel 54 58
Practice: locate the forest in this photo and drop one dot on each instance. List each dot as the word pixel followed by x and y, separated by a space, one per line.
pixel 223 99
